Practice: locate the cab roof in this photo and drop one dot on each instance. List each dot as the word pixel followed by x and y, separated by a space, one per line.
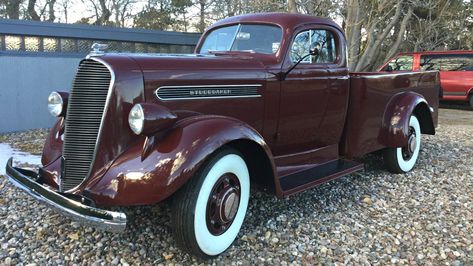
pixel 283 20
pixel 437 52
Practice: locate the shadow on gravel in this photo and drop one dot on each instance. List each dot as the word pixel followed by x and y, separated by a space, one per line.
pixel 455 105
pixel 150 230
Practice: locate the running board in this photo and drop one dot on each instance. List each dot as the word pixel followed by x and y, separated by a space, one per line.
pixel 317 175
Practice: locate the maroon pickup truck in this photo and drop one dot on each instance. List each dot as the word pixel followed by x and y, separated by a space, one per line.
pixel 266 100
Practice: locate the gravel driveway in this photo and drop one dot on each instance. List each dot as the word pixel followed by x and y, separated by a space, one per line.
pixel 424 217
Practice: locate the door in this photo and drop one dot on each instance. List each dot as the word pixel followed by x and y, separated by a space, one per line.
pixel 311 91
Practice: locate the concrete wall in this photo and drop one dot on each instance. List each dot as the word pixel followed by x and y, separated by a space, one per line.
pixel 30 67
pixel 25 83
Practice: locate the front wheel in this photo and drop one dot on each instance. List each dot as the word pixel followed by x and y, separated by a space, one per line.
pixel 208 212
pixel 403 159
pixel 471 100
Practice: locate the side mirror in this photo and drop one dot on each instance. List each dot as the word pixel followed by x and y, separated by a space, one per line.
pixel 314 50
pixel 388 68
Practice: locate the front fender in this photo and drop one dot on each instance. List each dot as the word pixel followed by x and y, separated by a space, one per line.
pixel 175 156
pixel 395 124
pixel 52 148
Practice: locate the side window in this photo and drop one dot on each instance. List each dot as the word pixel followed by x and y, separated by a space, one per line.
pixel 448 62
pixel 401 63
pixel 300 47
pixel 322 39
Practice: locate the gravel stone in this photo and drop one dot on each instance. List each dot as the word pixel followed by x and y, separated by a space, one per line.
pixel 424 217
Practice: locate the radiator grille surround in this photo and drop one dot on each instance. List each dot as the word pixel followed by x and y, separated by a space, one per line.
pixel 85 110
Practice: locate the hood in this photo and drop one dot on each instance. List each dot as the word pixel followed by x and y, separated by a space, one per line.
pixel 227 60
pixel 203 84
pixel 137 78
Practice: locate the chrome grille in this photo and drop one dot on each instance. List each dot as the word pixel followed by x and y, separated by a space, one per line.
pixel 84 116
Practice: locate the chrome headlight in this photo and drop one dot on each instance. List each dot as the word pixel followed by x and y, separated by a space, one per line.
pixel 149 118
pixel 55 104
pixel 136 119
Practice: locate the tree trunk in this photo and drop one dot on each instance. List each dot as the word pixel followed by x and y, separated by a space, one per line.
pixel 353 31
pixel 31 10
pixel 105 14
pixel 52 16
pixel 184 21
pixel 373 43
pixel 201 26
pixel 65 7
pixel 117 13
pixel 400 36
pixel 292 6
pixel 13 9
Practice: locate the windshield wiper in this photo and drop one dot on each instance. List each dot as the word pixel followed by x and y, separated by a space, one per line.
pixel 230 52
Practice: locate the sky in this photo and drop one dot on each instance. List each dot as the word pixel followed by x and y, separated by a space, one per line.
pixel 79 9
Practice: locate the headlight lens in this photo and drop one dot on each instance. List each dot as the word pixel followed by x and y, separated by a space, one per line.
pixel 136 119
pixel 55 104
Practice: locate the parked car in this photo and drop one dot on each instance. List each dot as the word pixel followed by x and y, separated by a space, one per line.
pixel 266 100
pixel 456 70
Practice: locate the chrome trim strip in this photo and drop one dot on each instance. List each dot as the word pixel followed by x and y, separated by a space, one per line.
pixel 454 93
pixel 234 37
pixel 340 77
pixel 211 97
pixel 70 208
pixel 208 97
pixel 99 134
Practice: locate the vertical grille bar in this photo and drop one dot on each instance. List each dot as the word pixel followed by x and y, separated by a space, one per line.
pixel 84 116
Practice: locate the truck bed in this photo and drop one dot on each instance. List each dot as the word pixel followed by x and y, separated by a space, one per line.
pixel 370 93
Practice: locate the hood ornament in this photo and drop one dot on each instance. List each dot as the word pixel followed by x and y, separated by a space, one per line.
pixel 98 49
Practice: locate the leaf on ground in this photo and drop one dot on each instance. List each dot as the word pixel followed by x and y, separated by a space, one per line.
pixel 74 236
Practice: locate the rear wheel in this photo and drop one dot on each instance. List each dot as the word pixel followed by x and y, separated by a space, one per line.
pixel 209 210
pixel 471 100
pixel 403 159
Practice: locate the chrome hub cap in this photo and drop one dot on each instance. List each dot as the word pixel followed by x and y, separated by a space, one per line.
pixel 230 205
pixel 410 148
pixel 223 204
pixel 412 143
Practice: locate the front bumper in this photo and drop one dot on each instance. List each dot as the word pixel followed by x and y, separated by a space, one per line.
pixel 99 218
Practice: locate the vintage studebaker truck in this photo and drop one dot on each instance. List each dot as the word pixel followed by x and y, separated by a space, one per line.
pixel 266 100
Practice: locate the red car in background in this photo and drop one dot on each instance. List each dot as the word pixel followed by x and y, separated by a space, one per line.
pixel 456 70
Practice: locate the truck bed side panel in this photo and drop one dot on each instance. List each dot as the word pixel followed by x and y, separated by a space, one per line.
pixel 370 93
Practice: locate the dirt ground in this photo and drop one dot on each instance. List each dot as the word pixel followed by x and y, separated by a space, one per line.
pixel 455 114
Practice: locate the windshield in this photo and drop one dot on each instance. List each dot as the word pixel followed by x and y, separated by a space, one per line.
pixel 250 38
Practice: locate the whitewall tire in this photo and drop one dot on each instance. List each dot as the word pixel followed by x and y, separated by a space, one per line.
pixel 403 159
pixel 209 210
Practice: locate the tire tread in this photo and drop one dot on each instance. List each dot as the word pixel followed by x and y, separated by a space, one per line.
pixel 185 199
pixel 390 158
pixel 390 161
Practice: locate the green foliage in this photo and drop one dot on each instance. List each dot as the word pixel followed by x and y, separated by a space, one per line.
pixel 162 15
pixel 3 11
pixel 84 21
pixel 153 19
